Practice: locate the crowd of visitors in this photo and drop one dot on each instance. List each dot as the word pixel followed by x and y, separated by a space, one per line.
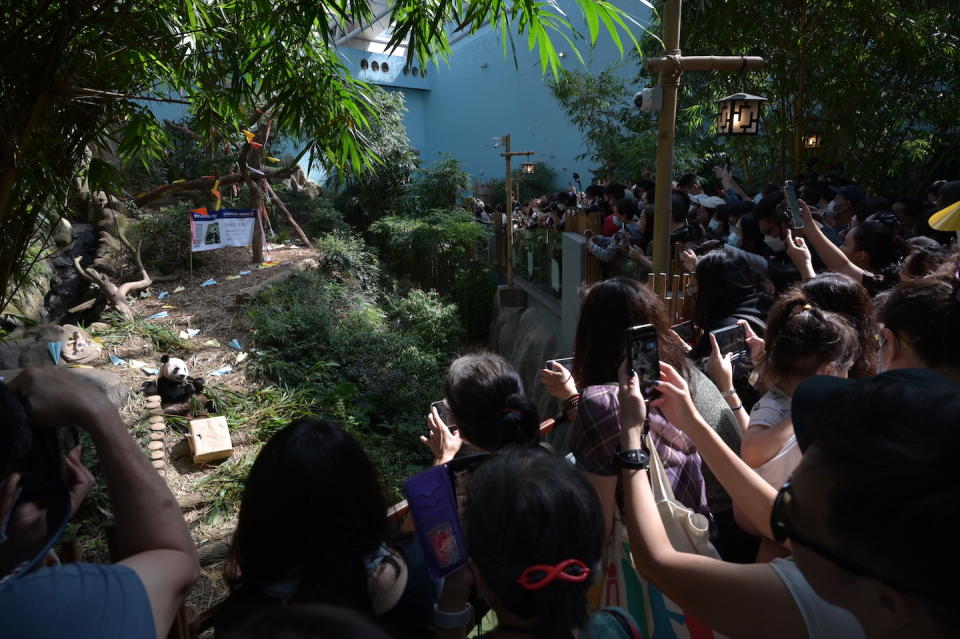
pixel 795 484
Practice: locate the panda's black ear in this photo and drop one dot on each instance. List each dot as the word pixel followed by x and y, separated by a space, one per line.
pixel 165 359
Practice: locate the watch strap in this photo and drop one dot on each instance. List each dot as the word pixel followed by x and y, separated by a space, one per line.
pixel 444 620
pixel 636 459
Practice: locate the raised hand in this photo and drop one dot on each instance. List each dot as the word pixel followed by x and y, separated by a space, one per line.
pixel 442 442
pixel 675 401
pixel 558 381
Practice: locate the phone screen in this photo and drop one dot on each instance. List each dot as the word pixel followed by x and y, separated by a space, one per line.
pixel 444 412
pixel 643 355
pixel 790 192
pixel 732 339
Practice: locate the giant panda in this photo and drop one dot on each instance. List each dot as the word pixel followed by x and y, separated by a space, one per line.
pixel 174 384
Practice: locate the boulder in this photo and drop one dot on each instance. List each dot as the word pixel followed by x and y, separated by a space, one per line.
pixel 105 382
pixel 23 352
pixel 533 347
pixel 504 332
pixel 78 346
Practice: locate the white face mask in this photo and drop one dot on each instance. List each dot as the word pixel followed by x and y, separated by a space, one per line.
pixel 714 225
pixel 733 239
pixel 775 243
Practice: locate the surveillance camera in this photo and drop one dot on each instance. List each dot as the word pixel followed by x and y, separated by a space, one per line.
pixel 648 99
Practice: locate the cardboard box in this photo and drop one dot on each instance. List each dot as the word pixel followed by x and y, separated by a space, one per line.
pixel 209 439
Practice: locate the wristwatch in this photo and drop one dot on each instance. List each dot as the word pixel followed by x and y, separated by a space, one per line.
pixel 636 459
pixel 451 620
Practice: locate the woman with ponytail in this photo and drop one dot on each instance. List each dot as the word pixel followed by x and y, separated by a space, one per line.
pixel 488 408
pixel 313 529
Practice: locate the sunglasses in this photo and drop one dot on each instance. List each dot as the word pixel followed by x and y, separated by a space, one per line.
pixel 783 527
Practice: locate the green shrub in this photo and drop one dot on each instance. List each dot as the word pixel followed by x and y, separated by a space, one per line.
pixel 315 215
pixel 426 315
pixel 443 250
pixel 166 238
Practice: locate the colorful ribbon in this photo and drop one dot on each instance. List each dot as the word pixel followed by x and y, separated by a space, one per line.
pixel 530 579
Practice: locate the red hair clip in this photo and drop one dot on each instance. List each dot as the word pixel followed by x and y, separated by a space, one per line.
pixel 531 580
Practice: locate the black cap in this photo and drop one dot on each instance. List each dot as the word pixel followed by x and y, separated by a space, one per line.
pixel 895 395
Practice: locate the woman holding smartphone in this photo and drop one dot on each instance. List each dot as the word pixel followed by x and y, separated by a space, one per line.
pixel 484 406
pixel 608 309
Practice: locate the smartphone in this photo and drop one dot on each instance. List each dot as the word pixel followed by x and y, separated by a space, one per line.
pixel 444 412
pixel 643 354
pixel 686 331
pixel 790 192
pixel 461 471
pixel 732 339
pixel 566 362
pixel 433 505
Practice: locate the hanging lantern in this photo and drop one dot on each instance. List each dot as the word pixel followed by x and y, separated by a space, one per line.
pixel 739 114
pixel 812 141
pixel 528 168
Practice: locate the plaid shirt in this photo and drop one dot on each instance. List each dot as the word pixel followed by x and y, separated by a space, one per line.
pixel 596 435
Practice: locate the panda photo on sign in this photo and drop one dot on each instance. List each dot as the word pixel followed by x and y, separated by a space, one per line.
pixel 174 384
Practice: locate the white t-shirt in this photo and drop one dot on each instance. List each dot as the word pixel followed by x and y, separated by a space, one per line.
pixel 769 411
pixel 823 619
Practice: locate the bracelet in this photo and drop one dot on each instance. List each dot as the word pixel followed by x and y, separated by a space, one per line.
pixel 737 407
pixel 571 402
pixel 729 393
pixel 451 620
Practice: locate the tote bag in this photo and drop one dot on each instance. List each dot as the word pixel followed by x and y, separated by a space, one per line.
pixel 621 585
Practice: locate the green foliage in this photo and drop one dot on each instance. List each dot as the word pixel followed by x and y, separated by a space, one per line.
pixel 877 79
pixel 316 215
pixel 621 140
pixel 425 315
pixel 439 186
pixel 365 195
pixel 543 181
pixel 165 234
pixel 443 250
pixel 372 359
pixel 347 257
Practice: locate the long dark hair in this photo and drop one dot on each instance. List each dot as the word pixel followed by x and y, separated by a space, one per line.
pixel 724 281
pixel 751 238
pixel 925 313
pixel 313 507
pixel 608 309
pixel 528 507
pixel 486 397
pixel 842 295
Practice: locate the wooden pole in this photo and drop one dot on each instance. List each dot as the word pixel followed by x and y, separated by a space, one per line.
pixel 669 81
pixel 508 157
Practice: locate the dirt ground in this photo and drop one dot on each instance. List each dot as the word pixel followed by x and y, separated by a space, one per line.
pixel 212 310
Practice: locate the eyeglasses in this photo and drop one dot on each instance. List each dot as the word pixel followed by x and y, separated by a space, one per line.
pixel 782 525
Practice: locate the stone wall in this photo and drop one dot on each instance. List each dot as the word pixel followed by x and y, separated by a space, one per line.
pixel 517 334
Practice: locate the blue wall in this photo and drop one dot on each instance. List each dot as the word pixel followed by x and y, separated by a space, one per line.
pixel 480 94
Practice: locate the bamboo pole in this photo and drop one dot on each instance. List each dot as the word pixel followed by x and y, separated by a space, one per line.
pixel 669 81
pixel 508 157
